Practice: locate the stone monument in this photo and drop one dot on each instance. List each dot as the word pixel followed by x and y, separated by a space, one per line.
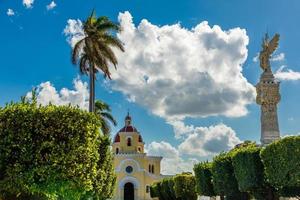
pixel 268 95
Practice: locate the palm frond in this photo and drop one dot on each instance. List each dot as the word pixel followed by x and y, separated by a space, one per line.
pixel 106 25
pixel 102 65
pixel 109 117
pixel 84 64
pixel 105 128
pixel 107 52
pixel 113 41
pixel 102 106
pixel 77 50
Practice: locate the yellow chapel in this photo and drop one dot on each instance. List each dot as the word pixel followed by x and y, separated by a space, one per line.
pixel 135 170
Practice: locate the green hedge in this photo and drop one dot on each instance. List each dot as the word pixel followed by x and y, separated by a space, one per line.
pixel 55 152
pixel 203 175
pixel 249 172
pixel 282 165
pixel 225 183
pixel 154 190
pixel 185 186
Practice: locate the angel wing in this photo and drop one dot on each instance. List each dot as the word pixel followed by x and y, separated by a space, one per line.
pixel 273 44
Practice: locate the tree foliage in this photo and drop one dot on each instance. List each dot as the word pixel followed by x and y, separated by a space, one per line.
pixel 103 111
pixel 249 172
pixel 94 52
pixel 185 186
pixel 154 190
pixel 282 165
pixel 203 176
pixel 225 183
pixel 53 152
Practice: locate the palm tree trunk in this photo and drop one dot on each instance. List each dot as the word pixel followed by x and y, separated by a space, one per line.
pixel 92 90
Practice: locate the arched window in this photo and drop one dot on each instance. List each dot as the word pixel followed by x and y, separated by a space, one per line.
pixel 129 142
pixel 117 138
pixel 140 138
pixel 117 150
pixel 147 188
pixel 152 169
pixel 139 149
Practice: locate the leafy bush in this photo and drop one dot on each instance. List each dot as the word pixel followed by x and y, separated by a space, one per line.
pixel 171 184
pixel 53 151
pixel 224 181
pixel 203 176
pixel 163 189
pixel 282 165
pixel 166 190
pixel 184 186
pixel 249 172
pixel 154 190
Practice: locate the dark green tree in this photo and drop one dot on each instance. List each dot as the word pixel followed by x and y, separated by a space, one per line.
pixel 249 172
pixel 94 52
pixel 185 186
pixel 154 193
pixel 281 160
pixel 53 151
pixel 203 175
pixel 224 181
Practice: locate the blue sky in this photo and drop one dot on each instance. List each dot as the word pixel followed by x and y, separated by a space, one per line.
pixel 34 50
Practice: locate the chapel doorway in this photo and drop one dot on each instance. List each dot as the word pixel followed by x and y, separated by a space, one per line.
pixel 129 191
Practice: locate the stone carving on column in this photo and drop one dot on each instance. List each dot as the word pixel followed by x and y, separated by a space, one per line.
pixel 268 95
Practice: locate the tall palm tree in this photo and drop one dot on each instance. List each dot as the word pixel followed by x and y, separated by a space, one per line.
pixel 103 111
pixel 94 52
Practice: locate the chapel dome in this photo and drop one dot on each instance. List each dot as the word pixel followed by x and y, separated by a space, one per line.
pixel 128 128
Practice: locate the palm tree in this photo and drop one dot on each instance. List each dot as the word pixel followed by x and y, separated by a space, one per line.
pixel 103 111
pixel 94 52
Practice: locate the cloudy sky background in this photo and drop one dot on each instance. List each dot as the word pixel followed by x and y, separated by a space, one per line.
pixel 188 74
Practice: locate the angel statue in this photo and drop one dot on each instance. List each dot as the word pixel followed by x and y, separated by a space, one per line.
pixel 268 48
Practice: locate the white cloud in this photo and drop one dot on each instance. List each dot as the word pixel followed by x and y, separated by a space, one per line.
pixel 28 3
pixel 74 31
pixel 278 57
pixel 209 141
pixel 200 145
pixel 285 74
pixel 10 12
pixel 180 129
pixel 256 58
pixel 179 73
pixel 51 5
pixel 47 93
pixel 172 163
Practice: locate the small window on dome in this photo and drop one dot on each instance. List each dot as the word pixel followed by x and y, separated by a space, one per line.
pixel 129 142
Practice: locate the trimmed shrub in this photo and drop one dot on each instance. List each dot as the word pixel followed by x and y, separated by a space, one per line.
pixel 166 190
pixel 154 190
pixel 224 181
pixel 282 165
pixel 185 186
pixel 249 172
pixel 203 176
pixel 53 151
pixel 171 184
